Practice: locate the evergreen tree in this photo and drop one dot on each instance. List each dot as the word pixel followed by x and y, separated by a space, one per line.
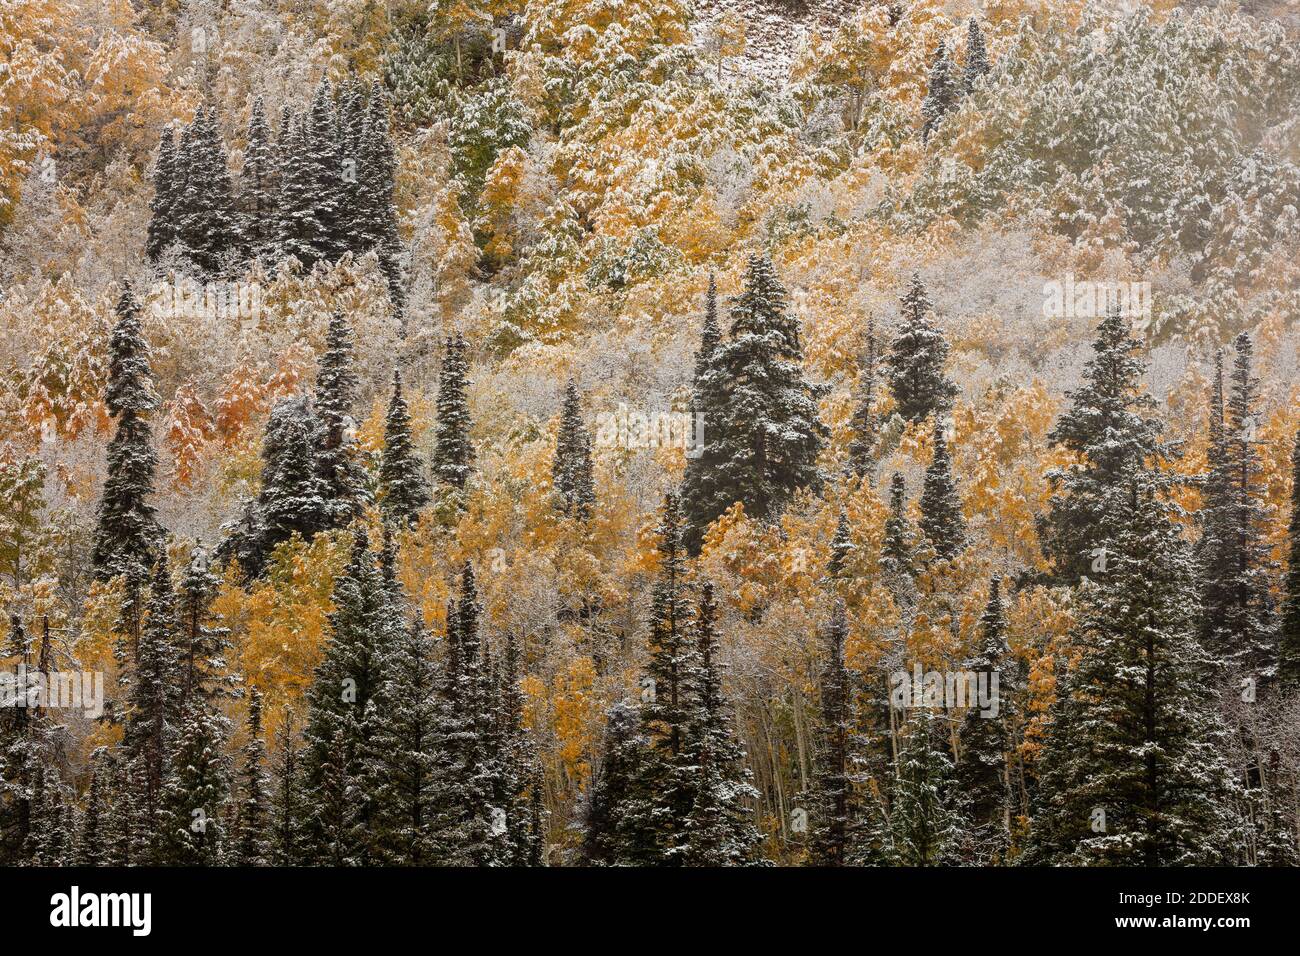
pixel 403 765
pixel 571 472
pixel 405 489
pixel 195 795
pixel 1110 429
pixel 202 646
pixel 925 822
pixel 898 552
pixel 128 531
pixel 258 188
pixel 163 210
pixel 710 333
pixel 865 424
pixel 977 58
pixel 763 435
pixel 337 735
pixel 1133 772
pixel 375 201
pixel 1289 652
pixel 611 833
pixel 252 838
pixel 93 847
pixel 453 456
pixel 984 773
pixel 1235 566
pixel 942 520
pixel 832 789
pixel 917 358
pixel 298 226
pixel 289 806
pixel 719 830
pixel 336 383
pixel 324 172
pixel 941 93
pixel 841 550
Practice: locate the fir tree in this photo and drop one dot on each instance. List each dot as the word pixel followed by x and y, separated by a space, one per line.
pixel 925 823
pixel 93 847
pixel 571 472
pixel 612 827
pixel 336 383
pixel 1110 429
pixel 719 830
pixel 831 786
pixel 865 424
pixel 163 212
pixel 941 93
pixel 977 59
pixel 194 798
pixel 1133 773
pixel 942 520
pixel 1289 652
pixel 453 456
pixel 710 333
pixel 252 837
pixel 127 533
pixel 375 201
pixel 405 489
pixel 762 432
pixel 917 358
pixel 324 172
pixel 202 646
pixel 298 228
pixel 841 550
pixel 1235 565
pixel 289 802
pixel 898 552
pixel 258 188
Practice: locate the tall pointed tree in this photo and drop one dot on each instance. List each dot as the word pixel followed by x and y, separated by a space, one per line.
pixel 162 232
pixel 926 825
pixel 252 837
pixel 865 423
pixel 1289 649
pixel 977 58
pixel 404 487
pixel 571 472
pixel 336 383
pixel 258 185
pixel 128 532
pixel 762 431
pixel 941 93
pixel 832 788
pixel 453 455
pixel 917 377
pixel 942 519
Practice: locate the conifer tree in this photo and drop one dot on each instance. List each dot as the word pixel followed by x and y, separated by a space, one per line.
pixel 336 383
pixel 841 549
pixel 324 172
pixel 298 226
pixel 1133 771
pixel 289 803
pixel 941 93
pixel 614 813
pixel 925 822
pixel 917 358
pixel 1110 428
pixel 1289 651
pixel 942 520
pixel 453 456
pixel 93 847
pixel 127 533
pixel 252 838
pixel 163 212
pixel 401 478
pixel 984 772
pixel 1235 565
pixel 194 798
pixel 898 552
pixel 375 196
pixel 258 188
pixel 832 789
pixel 762 431
pixel 719 830
pixel 710 333
pixel 202 645
pixel 865 423
pixel 571 472
pixel 977 59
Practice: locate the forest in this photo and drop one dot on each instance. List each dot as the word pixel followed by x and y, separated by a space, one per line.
pixel 649 433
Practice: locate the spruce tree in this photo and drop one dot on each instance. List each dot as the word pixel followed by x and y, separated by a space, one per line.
pixel 865 423
pixel 719 830
pixel 298 229
pixel 258 188
pixel 1289 650
pixel 832 789
pixel 977 58
pixel 324 173
pixel 571 472
pixel 163 212
pixel 202 645
pixel 612 825
pixel 128 532
pixel 193 800
pixel 841 550
pixel 453 455
pixel 942 92
pixel 289 801
pixel 375 197
pixel 762 431
pixel 1235 566
pixel 710 332
pixel 926 825
pixel 1111 430
pixel 93 847
pixel 401 477
pixel 1133 770
pixel 942 520
pixel 898 551
pixel 336 383
pixel 917 358
pixel 251 841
